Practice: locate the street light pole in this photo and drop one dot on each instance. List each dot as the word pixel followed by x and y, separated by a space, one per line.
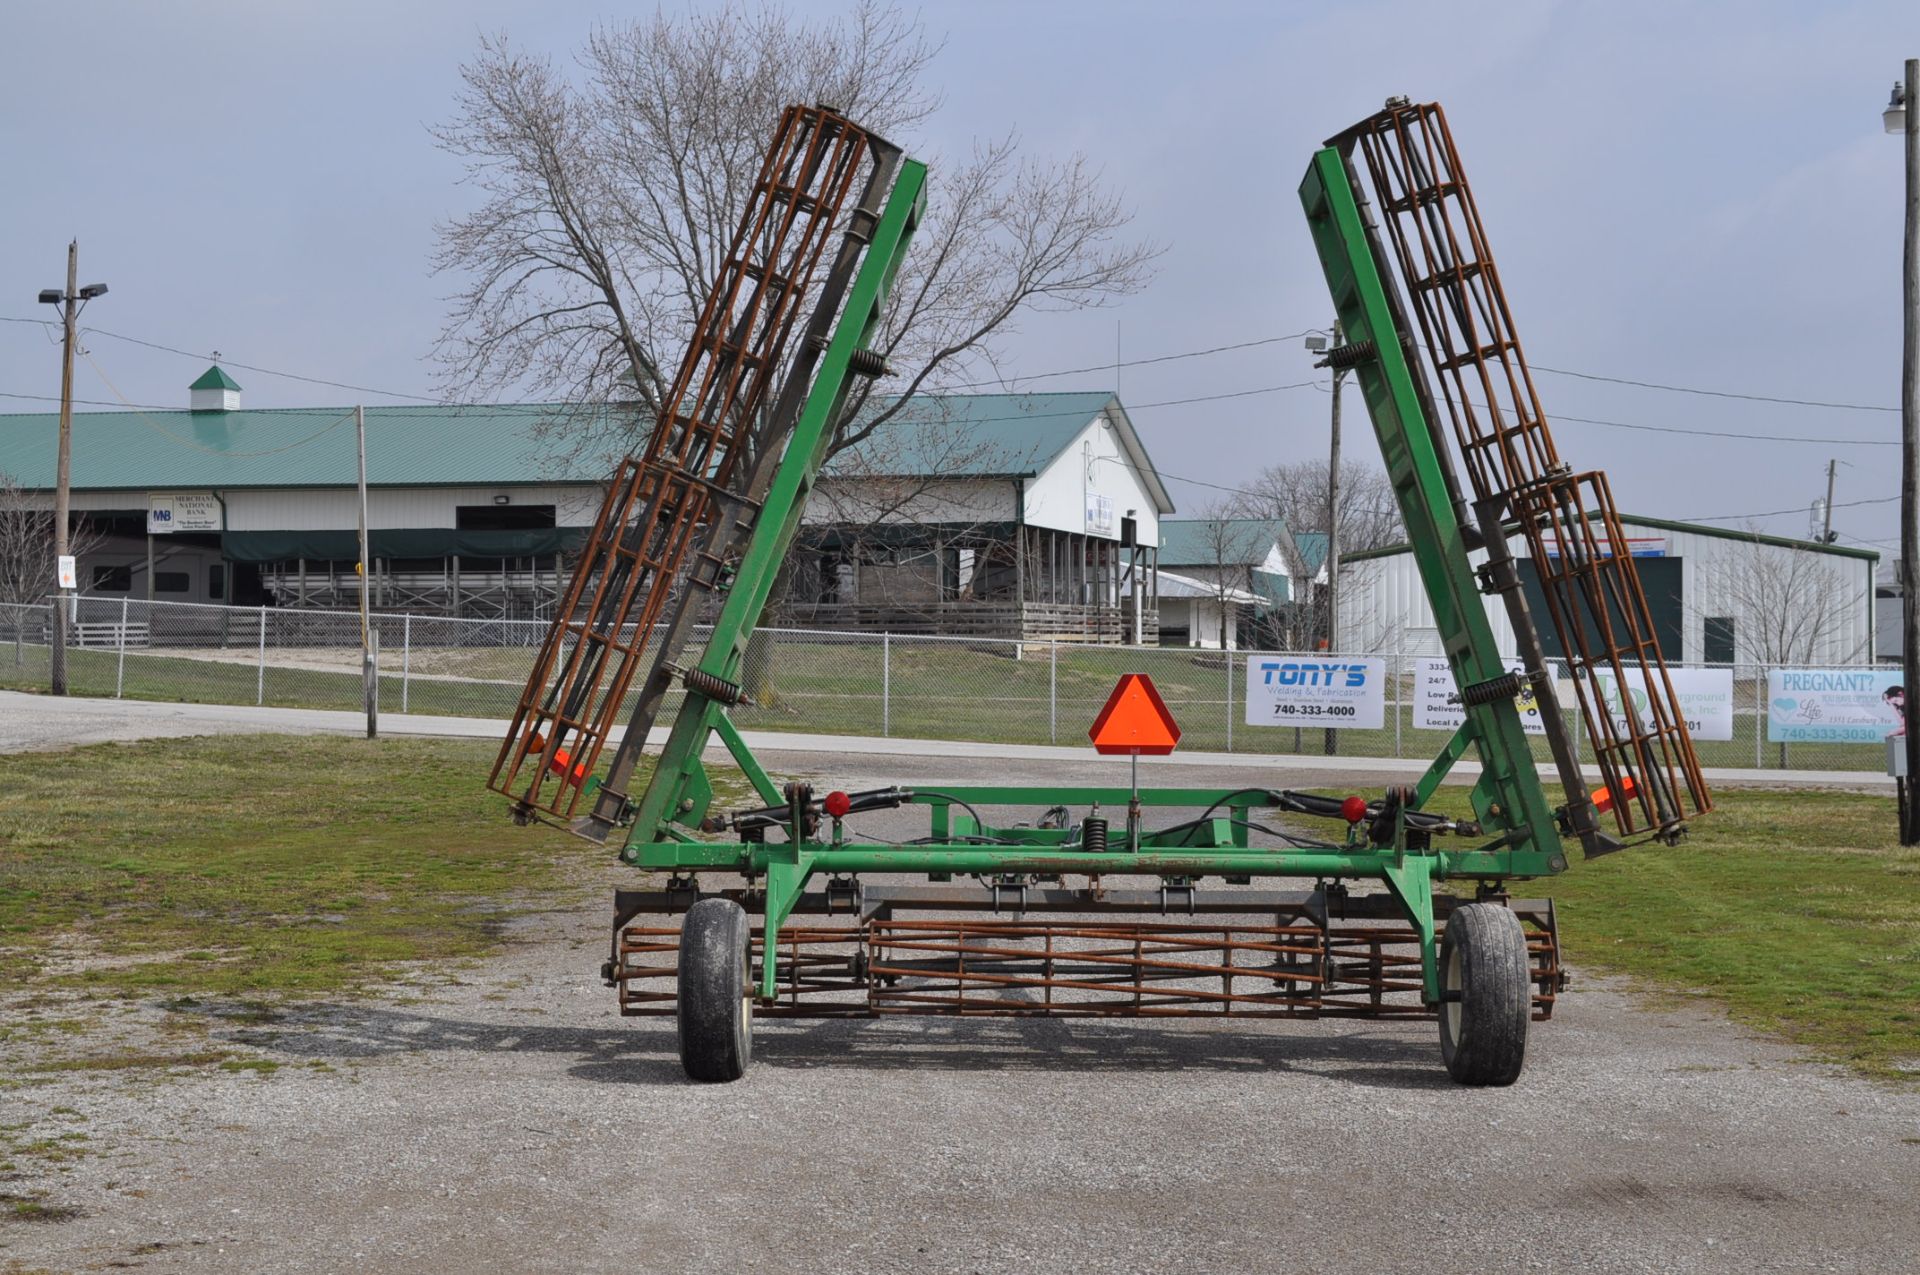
pixel 1906 119
pixel 1318 344
pixel 64 472
pixel 1333 527
pixel 69 300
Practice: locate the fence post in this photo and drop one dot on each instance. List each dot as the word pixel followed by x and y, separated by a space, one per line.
pixel 1579 733
pixel 120 672
pixel 886 685
pixel 1229 655
pixel 1053 692
pixel 260 686
pixel 406 657
pixel 1399 694
pixel 1759 716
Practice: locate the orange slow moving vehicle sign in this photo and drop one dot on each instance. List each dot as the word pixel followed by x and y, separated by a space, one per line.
pixel 1135 720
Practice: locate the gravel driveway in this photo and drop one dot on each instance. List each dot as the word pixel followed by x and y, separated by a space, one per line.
pixel 504 1118
pixel 501 1116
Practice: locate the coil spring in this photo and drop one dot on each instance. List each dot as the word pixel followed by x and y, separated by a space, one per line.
pixel 1346 356
pixel 1506 686
pixel 714 688
pixel 869 364
pixel 1093 835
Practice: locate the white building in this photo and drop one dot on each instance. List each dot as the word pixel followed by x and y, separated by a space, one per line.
pixel 991 515
pixel 1715 595
pixel 1007 515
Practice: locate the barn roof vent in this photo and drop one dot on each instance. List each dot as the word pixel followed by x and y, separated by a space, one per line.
pixel 215 391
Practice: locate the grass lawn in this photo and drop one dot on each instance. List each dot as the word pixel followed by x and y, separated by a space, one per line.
pixel 1799 911
pixel 254 867
pixel 251 866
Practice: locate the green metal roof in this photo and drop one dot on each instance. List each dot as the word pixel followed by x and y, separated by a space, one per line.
pixel 991 436
pixel 1313 549
pixel 1219 542
pixel 958 435
pixel 293 447
pixel 214 379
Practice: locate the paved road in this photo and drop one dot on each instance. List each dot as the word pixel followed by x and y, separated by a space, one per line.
pixel 503 1117
pixel 33 722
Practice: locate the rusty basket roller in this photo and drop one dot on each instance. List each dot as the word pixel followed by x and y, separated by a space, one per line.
pixel 661 507
pixel 1471 355
pixel 1296 967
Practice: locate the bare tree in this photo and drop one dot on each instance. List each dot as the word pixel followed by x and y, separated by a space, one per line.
pixel 26 544
pixel 27 574
pixel 1787 606
pixel 609 196
pixel 1232 548
pixel 908 521
pixel 1296 493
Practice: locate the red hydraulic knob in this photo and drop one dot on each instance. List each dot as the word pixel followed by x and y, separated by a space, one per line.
pixel 1353 809
pixel 837 804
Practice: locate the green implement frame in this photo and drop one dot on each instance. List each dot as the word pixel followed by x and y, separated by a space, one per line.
pixel 1471 964
pixel 1514 817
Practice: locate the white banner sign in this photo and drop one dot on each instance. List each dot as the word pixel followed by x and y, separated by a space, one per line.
pixel 1706 699
pixel 1833 706
pixel 1306 690
pixel 1099 515
pixel 182 511
pixel 1433 689
pixel 65 568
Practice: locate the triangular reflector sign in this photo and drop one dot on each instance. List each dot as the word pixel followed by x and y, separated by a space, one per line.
pixel 1135 720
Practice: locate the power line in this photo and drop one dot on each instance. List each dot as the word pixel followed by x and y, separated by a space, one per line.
pixel 202 447
pixel 88 402
pixel 1797 509
pixel 1688 389
pixel 264 371
pixel 1159 358
pixel 1741 436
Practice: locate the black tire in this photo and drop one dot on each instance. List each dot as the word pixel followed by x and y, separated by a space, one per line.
pixel 1486 995
pixel 716 982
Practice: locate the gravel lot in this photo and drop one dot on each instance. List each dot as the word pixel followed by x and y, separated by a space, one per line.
pixel 503 1117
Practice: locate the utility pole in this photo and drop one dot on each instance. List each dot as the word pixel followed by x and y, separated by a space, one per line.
pixel 1909 99
pixel 1826 522
pixel 369 678
pixel 69 300
pixel 63 480
pixel 1333 526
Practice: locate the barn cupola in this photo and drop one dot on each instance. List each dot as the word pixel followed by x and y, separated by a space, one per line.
pixel 215 391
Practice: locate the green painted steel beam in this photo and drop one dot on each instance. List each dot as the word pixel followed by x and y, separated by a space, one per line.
pixel 1509 795
pixel 670 792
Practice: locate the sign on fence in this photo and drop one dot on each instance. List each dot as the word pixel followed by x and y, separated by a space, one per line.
pixel 1305 690
pixel 182 511
pixel 1831 706
pixel 1434 707
pixel 1706 699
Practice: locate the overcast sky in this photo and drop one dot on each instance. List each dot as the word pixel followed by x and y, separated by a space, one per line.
pixel 1695 194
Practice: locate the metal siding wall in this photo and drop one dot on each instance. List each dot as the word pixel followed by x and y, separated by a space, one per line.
pixel 337 509
pixel 1383 606
pixel 1056 497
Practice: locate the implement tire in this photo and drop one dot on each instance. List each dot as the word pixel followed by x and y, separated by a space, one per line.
pixel 716 983
pixel 1486 995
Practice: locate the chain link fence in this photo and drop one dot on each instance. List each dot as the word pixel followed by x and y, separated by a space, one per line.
pixel 986 690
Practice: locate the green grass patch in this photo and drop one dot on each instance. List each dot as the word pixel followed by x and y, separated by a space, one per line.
pixel 248 867
pixel 1800 912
